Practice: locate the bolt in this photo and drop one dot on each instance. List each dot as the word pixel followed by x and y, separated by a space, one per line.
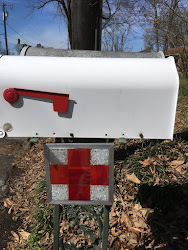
pixel 7 127
pixel 141 135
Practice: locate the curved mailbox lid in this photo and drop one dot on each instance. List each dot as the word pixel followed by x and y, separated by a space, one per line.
pixel 127 96
pixel 55 74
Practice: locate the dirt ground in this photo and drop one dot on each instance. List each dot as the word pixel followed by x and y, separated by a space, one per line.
pixel 150 209
pixel 8 149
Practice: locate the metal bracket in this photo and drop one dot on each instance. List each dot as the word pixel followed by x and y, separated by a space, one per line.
pixel 59 242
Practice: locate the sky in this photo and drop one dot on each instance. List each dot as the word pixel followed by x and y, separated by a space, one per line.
pixel 41 27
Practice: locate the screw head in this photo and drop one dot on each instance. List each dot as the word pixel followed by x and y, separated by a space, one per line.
pixel 7 127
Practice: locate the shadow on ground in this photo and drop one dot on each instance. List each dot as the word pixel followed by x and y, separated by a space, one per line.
pixel 169 221
pixel 7 224
pixel 8 149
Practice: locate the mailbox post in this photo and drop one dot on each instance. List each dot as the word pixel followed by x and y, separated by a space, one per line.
pixel 79 174
pixel 86 95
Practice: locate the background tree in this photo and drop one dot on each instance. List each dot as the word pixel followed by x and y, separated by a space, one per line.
pixel 116 37
pixel 116 15
pixel 2 51
pixel 150 12
pixel 82 18
pixel 165 23
pixel 118 24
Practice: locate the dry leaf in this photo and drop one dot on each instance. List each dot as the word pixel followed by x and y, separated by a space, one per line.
pixel 112 239
pixel 132 177
pixel 74 239
pixel 25 235
pixel 28 217
pixel 135 230
pixel 47 237
pixel 24 209
pixel 140 224
pixel 112 214
pixel 144 212
pixel 123 203
pixel 16 237
pixel 176 163
pixel 166 141
pixel 122 237
pixel 125 218
pixel 27 158
pixel 156 180
pixel 132 243
pixel 137 206
pixel 146 162
pixel 8 203
pixel 114 233
pixel 152 169
pixel 10 209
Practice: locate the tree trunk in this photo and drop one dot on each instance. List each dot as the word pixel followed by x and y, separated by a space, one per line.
pixel 86 24
pixel 156 26
pixel 174 5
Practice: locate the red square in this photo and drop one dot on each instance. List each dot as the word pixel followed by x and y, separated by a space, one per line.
pixel 59 174
pixel 79 157
pixel 79 175
pixel 79 192
pixel 99 175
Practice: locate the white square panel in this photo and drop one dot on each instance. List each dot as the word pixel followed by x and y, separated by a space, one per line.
pixel 59 192
pixel 99 156
pixel 99 193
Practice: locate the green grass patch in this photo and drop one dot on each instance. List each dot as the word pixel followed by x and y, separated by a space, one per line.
pixel 183 89
pixel 161 153
pixel 43 217
pixel 183 85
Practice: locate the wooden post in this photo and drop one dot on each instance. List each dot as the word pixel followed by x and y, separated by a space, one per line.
pixel 86 24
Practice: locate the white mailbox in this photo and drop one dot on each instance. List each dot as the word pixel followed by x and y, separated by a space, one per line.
pixel 88 97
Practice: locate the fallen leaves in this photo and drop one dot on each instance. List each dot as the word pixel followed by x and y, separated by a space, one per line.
pixel 147 162
pixel 132 177
pixel 21 201
pixel 8 203
pixel 15 236
pixel 136 230
pixel 125 218
pixel 24 236
pixel 176 163
pixel 132 242
pixel 20 237
pixel 114 232
pixel 123 237
pixel 128 225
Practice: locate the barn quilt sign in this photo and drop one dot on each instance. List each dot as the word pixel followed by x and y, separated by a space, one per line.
pixel 80 174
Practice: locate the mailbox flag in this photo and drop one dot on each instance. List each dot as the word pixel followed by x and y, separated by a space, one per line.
pixel 80 175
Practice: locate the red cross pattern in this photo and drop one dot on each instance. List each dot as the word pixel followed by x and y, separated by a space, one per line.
pixel 84 177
